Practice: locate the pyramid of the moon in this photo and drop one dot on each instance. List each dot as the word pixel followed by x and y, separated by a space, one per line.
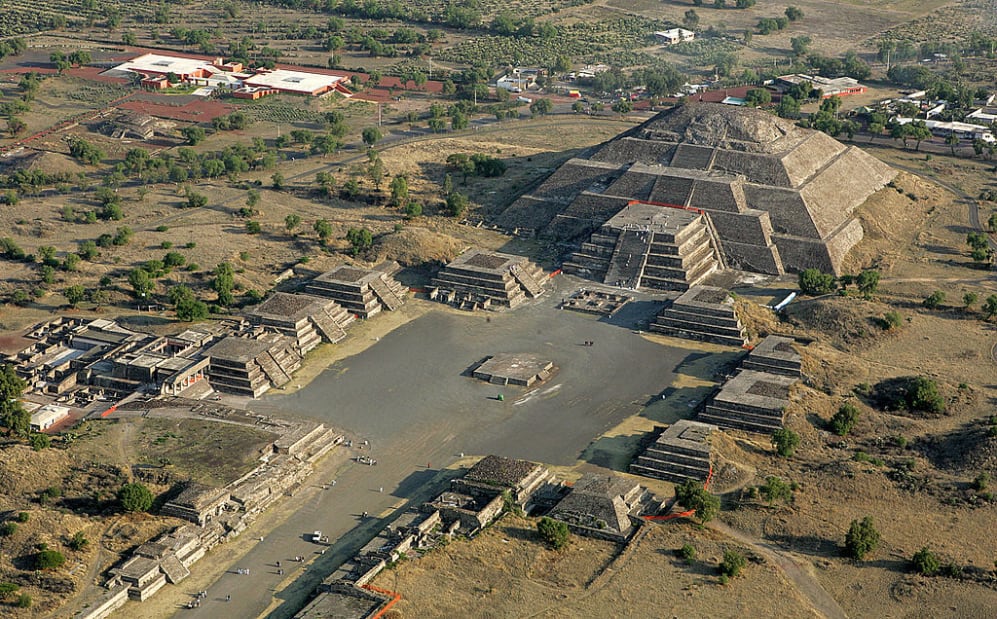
pixel 779 197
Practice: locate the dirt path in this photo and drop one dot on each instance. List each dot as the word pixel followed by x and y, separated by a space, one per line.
pixel 819 598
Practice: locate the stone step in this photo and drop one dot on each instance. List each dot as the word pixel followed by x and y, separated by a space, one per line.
pixel 526 280
pixel 677 467
pixel 773 367
pixel 706 326
pixel 675 478
pixel 704 336
pixel 329 328
pixel 748 423
pixel 671 454
pixel 385 294
pixel 629 256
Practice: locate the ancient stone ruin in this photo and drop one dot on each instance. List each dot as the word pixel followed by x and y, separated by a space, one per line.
pixel 680 453
pixel 596 302
pixel 306 318
pixel 364 292
pixel 781 197
pixel 775 355
pixel 703 313
pixel 751 401
pixel 251 366
pixel 514 369
pixel 605 507
pixel 649 247
pixel 479 279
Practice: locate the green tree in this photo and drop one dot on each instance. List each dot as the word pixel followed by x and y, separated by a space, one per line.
pixel 794 14
pixel 692 495
pixel 39 441
pixel 324 230
pixel 969 300
pixel 413 209
pixel 757 97
pixel 224 283
pixel 862 538
pixel 922 395
pixel 291 222
pixel 845 419
pixel 277 180
pixel 785 442
pixel 456 204
pixel 990 307
pixel 13 416
pixel 135 497
pixel 776 489
pixel 553 532
pixel 399 190
pixel 813 282
pixel 934 300
pixel 49 560
pixel 253 227
pixel 925 562
pixel 868 283
pixel 140 282
pixel 75 294
pixel 196 200
pixel 252 198
pixel 691 19
pixel 8 528
pixel 193 134
pixel 360 239
pixel 541 107
pixel 992 222
pixel 187 306
pixel 370 136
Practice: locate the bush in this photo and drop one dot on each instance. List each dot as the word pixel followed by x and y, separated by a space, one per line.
pixel 49 560
pixel 732 563
pixel 844 420
pixel 78 541
pixel 553 532
pixel 785 442
pixel 8 589
pixel 23 517
pixel 925 562
pixel 7 529
pixel 981 482
pixel 135 497
pixel 934 300
pixel 40 441
pixel 688 553
pixel 776 489
pixel 892 320
pixel 813 282
pixel 922 395
pixel 24 601
pixel 861 539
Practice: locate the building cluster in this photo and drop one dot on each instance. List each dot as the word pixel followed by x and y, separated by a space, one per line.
pixel 754 400
pixel 214 514
pixel 597 505
pixel 828 86
pixel 77 362
pixel 158 72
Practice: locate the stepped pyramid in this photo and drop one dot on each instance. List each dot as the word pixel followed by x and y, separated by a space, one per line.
pixel 682 452
pixel 364 292
pixel 649 247
pixel 702 313
pixel 483 279
pixel 306 318
pixel 781 197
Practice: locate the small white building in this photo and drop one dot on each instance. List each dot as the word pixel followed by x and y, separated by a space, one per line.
pixel 675 35
pixel 47 416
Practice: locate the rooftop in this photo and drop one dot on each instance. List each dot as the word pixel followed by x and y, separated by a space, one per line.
pixel 518 366
pixel 759 389
pixel 199 496
pixel 691 435
pixel 346 274
pixel 704 296
pixel 156 63
pixel 486 261
pixel 283 79
pixel 286 307
pixel 501 471
pixel 777 347
pixel 243 349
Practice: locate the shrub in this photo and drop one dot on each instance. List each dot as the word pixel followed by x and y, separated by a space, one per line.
pixel 813 282
pixel 732 563
pixel 981 482
pixel 861 539
pixel 922 395
pixel 40 441
pixel 553 532
pixel 688 553
pixel 7 529
pixel 24 601
pixel 23 517
pixel 7 589
pixel 776 489
pixel 135 497
pixel 892 320
pixel 78 541
pixel 785 442
pixel 49 560
pixel 934 300
pixel 844 420
pixel 925 562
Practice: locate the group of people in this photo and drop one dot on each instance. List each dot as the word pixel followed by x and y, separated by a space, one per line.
pixel 196 602
pixel 243 571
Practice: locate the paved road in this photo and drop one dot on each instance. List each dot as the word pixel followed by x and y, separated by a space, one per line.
pixel 407 397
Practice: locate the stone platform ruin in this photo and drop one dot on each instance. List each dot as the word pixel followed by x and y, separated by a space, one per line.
pixel 781 197
pixel 595 302
pixel 681 453
pixel 251 366
pixel 751 401
pixel 650 247
pixel 703 313
pixel 479 279
pixel 363 292
pixel 514 369
pixel 305 318
pixel 775 354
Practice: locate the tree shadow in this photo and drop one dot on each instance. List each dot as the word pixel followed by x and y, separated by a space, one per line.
pixel 806 544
